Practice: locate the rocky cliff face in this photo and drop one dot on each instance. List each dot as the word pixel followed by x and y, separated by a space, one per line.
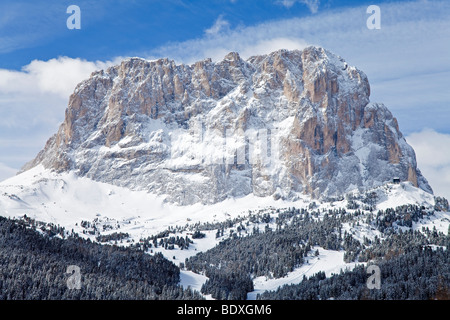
pixel 282 124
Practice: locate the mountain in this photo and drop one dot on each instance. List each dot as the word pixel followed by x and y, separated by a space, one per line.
pixel 283 124
pixel 270 178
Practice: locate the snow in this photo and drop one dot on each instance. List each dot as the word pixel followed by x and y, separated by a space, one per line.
pixel 66 200
pixel 199 245
pixel 440 221
pixel 191 279
pixel 404 193
pixel 362 231
pixel 328 261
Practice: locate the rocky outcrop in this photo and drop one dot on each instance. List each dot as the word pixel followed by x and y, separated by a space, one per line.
pixel 283 124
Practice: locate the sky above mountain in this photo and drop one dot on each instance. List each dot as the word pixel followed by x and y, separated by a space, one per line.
pixel 407 60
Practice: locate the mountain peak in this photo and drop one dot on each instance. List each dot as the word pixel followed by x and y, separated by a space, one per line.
pixel 232 56
pixel 282 124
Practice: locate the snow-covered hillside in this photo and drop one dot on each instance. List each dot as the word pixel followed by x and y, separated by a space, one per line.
pixel 94 209
pixel 67 200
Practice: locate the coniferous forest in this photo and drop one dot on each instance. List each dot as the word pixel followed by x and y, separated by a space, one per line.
pixel 414 264
pixel 420 273
pixel 411 268
pixel 34 263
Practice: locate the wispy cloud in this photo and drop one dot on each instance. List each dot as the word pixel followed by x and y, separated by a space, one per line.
pixel 313 5
pixel 25 24
pixel 220 25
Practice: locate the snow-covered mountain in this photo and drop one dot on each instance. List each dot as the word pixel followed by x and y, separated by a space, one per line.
pixel 280 125
pixel 288 143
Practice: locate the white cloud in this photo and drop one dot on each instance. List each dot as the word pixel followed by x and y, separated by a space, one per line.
pixel 252 48
pixel 313 5
pixel 433 158
pixel 59 76
pixel 270 45
pixel 220 25
pixel 247 41
pixel 32 103
pixel 55 76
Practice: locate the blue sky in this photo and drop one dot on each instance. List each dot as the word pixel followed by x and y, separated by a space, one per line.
pixel 37 29
pixel 407 61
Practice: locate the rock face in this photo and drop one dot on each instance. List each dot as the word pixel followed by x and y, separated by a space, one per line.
pixel 283 124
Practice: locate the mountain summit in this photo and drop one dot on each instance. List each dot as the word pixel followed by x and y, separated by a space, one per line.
pixel 283 124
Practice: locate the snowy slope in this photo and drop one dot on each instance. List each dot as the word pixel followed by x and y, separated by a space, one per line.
pixel 66 200
pixel 328 261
